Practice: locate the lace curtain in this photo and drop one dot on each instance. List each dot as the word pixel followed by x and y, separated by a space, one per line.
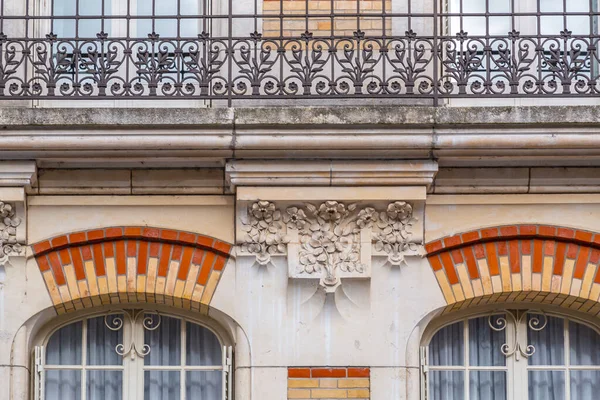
pixel 547 368
pixel 163 367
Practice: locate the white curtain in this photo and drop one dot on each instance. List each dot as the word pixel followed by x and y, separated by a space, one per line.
pixel 485 346
pixel 447 349
pixel 65 349
pixel 549 346
pixel 203 349
pixel 165 350
pixel 585 351
pixel 101 345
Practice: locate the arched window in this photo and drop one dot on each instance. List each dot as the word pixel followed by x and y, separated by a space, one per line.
pixel 513 355
pixel 133 355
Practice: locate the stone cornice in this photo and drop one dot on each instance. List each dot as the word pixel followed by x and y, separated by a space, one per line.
pixel 454 136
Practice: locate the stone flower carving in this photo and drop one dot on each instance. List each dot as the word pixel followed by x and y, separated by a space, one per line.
pixel 330 240
pixel 264 232
pixel 8 232
pixel 393 233
pixel 326 240
pixel 295 218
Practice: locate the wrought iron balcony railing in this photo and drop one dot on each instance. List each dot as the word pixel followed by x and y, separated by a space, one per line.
pixel 244 50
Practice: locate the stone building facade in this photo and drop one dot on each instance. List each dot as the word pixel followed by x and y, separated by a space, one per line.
pixel 312 200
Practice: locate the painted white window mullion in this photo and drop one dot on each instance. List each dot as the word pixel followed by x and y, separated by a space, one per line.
pixel 39 375
pixel 424 353
pixel 567 360
pixel 183 372
pixel 467 362
pixel 84 331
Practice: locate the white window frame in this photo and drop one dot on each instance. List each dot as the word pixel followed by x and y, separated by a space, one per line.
pixel 133 366
pixel 517 366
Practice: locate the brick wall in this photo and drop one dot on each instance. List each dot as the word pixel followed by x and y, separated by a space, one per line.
pixel 519 263
pixel 329 383
pixel 322 26
pixel 131 264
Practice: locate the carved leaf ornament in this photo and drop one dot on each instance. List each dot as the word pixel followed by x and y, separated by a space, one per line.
pixel 8 232
pixel 328 236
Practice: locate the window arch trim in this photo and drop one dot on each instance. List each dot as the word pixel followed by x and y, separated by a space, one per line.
pixel 519 263
pixel 119 265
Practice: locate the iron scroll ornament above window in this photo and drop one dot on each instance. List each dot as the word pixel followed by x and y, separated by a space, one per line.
pixel 537 323
pixel 149 323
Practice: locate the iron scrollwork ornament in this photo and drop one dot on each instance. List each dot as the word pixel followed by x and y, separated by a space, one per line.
pixel 148 323
pixel 537 322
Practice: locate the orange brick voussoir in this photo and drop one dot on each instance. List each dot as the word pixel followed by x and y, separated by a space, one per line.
pixel 541 263
pixel 131 264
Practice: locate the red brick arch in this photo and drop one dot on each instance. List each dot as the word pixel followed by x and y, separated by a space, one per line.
pixel 129 265
pixel 519 263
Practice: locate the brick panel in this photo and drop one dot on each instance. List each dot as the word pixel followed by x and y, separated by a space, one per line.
pixel 329 383
pixel 319 21
pixel 129 265
pixel 519 263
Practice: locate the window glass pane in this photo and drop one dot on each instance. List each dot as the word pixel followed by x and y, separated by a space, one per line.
pixel 64 28
pixel 163 335
pixel 548 342
pixel 162 385
pixel 472 6
pixel 546 385
pixel 485 343
pixel 102 341
pixel 447 346
pixel 585 345
pixel 579 5
pixel 447 385
pixel 64 347
pixel 585 385
pixel 203 347
pixel 104 385
pixel 63 385
pixel 203 385
pixel 487 385
pixel 191 7
pixel 551 5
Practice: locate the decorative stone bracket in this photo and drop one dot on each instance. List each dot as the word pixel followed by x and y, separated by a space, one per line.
pixel 10 243
pixel 15 178
pixel 330 240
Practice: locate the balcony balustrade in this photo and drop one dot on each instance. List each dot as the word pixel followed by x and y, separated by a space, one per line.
pixel 229 51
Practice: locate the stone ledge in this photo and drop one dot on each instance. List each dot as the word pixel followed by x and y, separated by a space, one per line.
pixel 226 118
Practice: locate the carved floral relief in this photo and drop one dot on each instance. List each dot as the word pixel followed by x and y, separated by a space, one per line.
pixel 329 241
pixel 8 232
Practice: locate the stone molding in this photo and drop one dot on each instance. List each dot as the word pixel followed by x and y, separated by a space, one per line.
pixel 330 173
pixel 329 241
pixel 519 263
pixel 18 174
pixel 474 136
pixel 131 264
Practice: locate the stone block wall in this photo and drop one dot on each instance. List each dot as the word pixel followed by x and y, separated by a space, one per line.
pixel 329 383
pixel 322 26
